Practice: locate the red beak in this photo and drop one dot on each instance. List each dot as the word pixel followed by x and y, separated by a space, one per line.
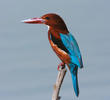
pixel 34 21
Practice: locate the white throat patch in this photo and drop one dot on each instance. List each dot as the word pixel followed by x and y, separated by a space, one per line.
pixel 48 27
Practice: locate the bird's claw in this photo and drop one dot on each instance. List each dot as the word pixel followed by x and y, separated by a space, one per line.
pixel 60 66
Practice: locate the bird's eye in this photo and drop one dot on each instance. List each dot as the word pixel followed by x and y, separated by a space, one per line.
pixel 47 18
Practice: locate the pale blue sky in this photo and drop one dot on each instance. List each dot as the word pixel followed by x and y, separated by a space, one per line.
pixel 28 66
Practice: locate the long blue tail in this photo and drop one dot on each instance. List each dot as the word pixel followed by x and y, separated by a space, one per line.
pixel 74 71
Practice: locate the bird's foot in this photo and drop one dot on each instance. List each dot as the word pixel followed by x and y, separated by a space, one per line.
pixel 60 66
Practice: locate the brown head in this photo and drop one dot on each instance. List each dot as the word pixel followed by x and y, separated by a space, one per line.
pixel 54 21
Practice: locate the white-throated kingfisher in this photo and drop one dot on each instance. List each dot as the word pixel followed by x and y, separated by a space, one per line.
pixel 63 43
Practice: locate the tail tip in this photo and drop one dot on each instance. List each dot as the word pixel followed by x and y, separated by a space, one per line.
pixel 77 94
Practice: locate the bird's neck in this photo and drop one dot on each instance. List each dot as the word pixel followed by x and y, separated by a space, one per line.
pixel 56 32
pixel 59 30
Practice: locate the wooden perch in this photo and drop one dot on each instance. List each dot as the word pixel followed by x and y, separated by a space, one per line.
pixel 57 86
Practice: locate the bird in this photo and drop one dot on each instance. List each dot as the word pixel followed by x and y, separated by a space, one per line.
pixel 63 44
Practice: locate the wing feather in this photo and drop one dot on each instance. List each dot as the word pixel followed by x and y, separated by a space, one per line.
pixel 73 48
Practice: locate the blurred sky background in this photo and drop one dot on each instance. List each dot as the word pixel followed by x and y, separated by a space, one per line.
pixel 28 66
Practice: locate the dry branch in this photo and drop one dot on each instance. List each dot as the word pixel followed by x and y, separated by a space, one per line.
pixel 57 86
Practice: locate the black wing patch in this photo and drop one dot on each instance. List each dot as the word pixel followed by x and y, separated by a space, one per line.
pixel 59 43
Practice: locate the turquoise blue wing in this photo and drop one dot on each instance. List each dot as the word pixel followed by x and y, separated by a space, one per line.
pixel 73 48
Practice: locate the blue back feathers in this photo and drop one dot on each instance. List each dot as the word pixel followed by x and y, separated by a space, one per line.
pixel 73 48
